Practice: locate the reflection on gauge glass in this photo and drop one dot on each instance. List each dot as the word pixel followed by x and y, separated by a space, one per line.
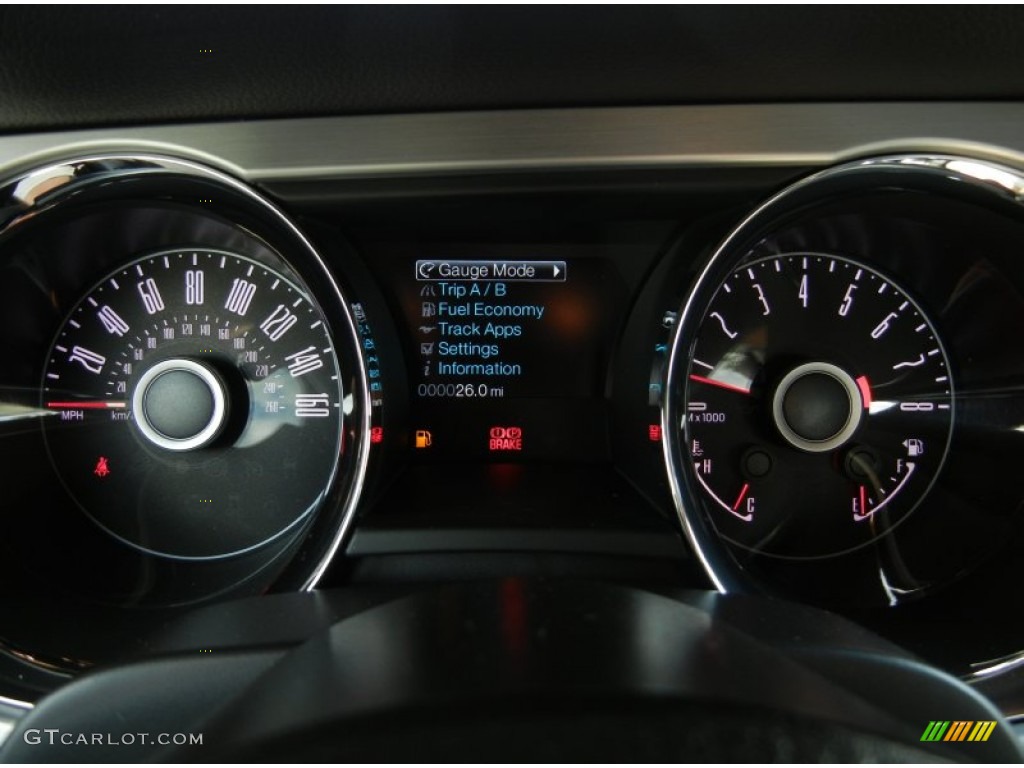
pixel 819 405
pixel 199 404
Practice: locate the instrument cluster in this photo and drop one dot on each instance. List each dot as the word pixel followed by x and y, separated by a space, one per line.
pixel 207 398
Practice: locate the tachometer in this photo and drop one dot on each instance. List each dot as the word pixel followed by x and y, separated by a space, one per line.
pixel 200 404
pixel 819 405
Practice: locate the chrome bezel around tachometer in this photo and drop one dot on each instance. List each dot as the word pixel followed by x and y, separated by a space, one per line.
pixel 968 182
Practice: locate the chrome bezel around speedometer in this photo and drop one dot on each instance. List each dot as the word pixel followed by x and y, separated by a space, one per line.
pixel 65 225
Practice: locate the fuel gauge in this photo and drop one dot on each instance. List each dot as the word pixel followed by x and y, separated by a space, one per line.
pixel 819 405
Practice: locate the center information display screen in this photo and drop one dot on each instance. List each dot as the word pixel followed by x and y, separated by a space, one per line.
pixel 509 357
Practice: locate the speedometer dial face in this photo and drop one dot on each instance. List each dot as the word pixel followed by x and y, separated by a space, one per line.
pixel 819 405
pixel 200 404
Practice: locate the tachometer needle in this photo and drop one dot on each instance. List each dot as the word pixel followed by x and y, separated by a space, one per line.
pixel 88 404
pixel 720 384
pixel 739 499
pixel 865 390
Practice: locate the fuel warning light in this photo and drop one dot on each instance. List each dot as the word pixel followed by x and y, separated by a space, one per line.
pixel 423 438
pixel 654 433
pixel 102 467
pixel 376 435
pixel 506 439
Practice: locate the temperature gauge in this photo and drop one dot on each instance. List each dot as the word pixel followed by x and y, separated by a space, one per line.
pixel 819 405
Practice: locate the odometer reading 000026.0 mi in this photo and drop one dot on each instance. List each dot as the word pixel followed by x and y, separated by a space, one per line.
pixel 819 405
pixel 199 401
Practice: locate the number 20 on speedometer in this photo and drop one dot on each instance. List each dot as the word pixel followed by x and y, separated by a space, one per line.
pixel 200 404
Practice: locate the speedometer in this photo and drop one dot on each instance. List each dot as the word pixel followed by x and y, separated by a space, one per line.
pixel 819 405
pixel 200 404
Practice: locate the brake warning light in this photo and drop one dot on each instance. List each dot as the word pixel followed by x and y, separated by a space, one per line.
pixel 506 439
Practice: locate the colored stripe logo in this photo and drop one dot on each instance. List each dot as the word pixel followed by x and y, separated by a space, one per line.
pixel 958 730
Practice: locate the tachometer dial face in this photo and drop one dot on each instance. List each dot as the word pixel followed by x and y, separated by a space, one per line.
pixel 200 404
pixel 819 405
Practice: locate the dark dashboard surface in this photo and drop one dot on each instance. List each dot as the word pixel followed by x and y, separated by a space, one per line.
pixel 128 66
pixel 495 317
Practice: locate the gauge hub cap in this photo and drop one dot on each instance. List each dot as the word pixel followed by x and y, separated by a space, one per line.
pixel 817 407
pixel 205 395
pixel 180 405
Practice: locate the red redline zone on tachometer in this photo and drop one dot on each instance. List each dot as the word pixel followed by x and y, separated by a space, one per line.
pixel 835 424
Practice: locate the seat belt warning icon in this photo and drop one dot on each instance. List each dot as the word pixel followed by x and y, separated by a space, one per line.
pixel 423 438
pixel 102 467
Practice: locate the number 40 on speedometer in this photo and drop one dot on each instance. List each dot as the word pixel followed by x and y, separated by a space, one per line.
pixel 200 404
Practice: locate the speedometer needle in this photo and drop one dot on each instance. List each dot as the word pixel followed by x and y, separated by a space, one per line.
pixel 88 404
pixel 720 384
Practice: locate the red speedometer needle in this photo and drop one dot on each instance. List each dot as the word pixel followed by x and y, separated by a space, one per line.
pixel 720 384
pixel 88 404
